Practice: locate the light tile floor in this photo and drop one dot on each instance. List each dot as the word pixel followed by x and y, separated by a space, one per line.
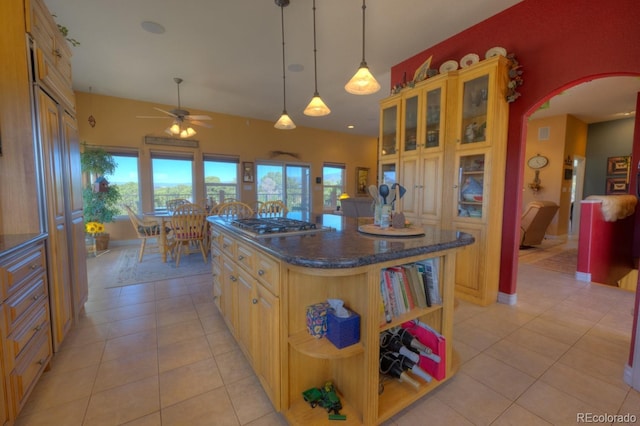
pixel 160 354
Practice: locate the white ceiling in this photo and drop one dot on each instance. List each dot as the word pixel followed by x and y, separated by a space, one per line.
pixel 229 53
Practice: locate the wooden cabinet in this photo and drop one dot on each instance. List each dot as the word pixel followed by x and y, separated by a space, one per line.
pixel 354 369
pixel 246 292
pixel 62 176
pixel 25 328
pixel 452 159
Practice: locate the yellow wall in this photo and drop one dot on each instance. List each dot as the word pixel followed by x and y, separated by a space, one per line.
pixel 567 137
pixel 250 139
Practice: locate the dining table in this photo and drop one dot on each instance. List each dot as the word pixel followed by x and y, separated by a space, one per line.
pixel 164 216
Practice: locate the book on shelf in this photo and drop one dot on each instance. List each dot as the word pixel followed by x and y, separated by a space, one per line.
pixel 431 279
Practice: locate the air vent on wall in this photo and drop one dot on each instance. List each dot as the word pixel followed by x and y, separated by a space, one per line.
pixel 543 133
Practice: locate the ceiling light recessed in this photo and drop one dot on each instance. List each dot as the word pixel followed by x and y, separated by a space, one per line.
pixel 351 126
pixel 152 27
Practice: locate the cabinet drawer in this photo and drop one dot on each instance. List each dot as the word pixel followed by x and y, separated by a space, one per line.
pixel 245 256
pixel 29 367
pixel 215 236
pixel 228 246
pixel 20 266
pixel 268 270
pixel 30 294
pixel 27 329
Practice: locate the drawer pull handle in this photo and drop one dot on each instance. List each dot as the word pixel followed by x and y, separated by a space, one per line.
pixel 232 278
pixel 38 327
pixel 215 297
pixel 254 301
pixel 35 297
pixel 241 257
pixel 33 266
pixel 42 361
pixel 261 272
pixel 57 53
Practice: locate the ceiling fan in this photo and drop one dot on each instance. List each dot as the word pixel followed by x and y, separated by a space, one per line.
pixel 181 118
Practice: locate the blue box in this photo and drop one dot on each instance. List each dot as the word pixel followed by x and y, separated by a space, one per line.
pixel 343 332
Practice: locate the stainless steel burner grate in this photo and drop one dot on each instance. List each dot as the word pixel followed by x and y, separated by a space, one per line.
pixel 273 225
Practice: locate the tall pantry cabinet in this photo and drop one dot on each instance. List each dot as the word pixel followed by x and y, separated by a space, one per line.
pixel 57 130
pixel 445 140
pixel 42 258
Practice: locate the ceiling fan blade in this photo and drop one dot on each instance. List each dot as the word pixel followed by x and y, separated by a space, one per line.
pixel 166 112
pixel 200 123
pixel 151 116
pixel 197 117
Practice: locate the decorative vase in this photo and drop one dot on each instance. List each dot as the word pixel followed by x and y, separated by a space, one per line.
pixel 102 242
pixel 90 243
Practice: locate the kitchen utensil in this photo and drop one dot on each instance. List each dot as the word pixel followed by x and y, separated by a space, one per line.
pixel 384 192
pixel 373 192
pixel 400 189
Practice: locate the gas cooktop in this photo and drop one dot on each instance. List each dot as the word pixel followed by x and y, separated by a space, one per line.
pixel 274 225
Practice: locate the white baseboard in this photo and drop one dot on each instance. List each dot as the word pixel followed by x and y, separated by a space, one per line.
pixel 627 376
pixel 507 299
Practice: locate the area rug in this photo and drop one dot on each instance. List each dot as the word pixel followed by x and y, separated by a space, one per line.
pixel 565 262
pixel 130 271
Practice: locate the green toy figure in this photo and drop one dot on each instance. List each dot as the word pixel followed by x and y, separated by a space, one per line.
pixel 327 398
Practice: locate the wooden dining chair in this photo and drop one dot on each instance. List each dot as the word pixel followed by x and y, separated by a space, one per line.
pixel 188 225
pixel 146 229
pixel 275 208
pixel 172 204
pixel 234 210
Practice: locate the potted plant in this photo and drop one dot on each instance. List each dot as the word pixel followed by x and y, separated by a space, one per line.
pixel 100 199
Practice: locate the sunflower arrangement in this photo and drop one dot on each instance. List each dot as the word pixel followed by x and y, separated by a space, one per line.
pixel 94 228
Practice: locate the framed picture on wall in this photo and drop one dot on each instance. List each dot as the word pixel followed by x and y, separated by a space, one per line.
pixel 247 171
pixel 362 180
pixel 616 186
pixel 617 165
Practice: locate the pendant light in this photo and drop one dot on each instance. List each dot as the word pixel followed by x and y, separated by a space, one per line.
pixel 363 82
pixel 284 122
pixel 317 107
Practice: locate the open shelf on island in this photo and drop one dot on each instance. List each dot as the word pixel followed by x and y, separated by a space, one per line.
pixel 321 348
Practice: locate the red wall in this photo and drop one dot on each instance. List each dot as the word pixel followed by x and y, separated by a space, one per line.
pixel 559 43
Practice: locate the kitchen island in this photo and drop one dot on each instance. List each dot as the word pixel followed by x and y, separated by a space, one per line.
pixel 262 285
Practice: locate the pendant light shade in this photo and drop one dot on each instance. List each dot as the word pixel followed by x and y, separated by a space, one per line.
pixel 284 122
pixel 363 82
pixel 177 129
pixel 317 107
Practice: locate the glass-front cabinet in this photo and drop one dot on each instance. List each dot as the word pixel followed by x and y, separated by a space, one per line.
pixel 451 159
pixel 389 119
pixel 471 173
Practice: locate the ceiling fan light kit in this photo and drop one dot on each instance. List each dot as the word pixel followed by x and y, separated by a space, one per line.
pixel 363 82
pixel 284 122
pixel 181 118
pixel 317 107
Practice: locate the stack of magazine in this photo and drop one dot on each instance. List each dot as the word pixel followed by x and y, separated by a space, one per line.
pixel 405 287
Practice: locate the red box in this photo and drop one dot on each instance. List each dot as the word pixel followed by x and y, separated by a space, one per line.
pixel 434 341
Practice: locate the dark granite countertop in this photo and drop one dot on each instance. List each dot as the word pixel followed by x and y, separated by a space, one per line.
pixel 13 242
pixel 344 246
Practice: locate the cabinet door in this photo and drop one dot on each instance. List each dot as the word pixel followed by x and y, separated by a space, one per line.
pixel 410 175
pixel 228 297
pixel 433 116
pixel 4 403
pixel 431 183
pixel 53 154
pixel 471 184
pixel 469 275
pixel 475 96
pixel 389 118
pixel 246 313
pixel 388 173
pixel 77 234
pixel 268 343
pixel 410 124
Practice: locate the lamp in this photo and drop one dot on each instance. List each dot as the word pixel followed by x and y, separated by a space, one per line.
pixel 317 107
pixel 284 122
pixel 363 82
pixel 177 130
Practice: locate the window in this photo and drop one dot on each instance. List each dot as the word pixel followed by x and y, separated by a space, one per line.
pixel 126 179
pixel 333 176
pixel 287 182
pixel 220 178
pixel 172 178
